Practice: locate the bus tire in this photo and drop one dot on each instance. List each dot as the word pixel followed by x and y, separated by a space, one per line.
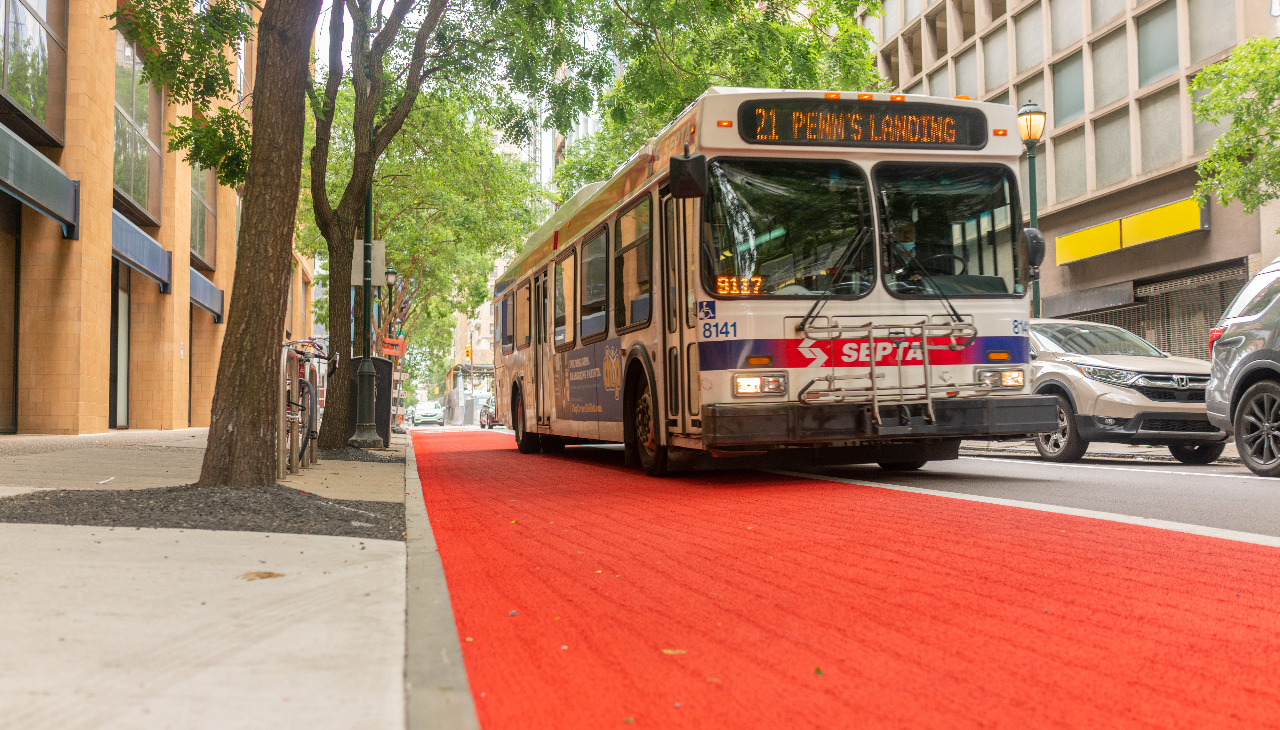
pixel 526 443
pixel 902 465
pixel 645 425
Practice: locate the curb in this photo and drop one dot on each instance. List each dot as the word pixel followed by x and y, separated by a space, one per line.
pixel 1095 455
pixel 437 694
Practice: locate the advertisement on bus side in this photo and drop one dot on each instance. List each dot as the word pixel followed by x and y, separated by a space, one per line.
pixel 588 382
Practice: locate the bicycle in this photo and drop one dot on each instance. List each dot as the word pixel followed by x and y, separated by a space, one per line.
pixel 306 404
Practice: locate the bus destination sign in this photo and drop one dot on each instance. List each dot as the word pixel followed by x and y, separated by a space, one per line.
pixel 833 123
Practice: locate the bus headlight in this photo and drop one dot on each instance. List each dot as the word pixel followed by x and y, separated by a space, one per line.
pixel 1002 378
pixel 760 384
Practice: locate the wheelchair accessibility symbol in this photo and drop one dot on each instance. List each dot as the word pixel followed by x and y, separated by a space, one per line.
pixel 706 310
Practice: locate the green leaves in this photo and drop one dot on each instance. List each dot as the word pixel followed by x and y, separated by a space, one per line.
pixel 1244 163
pixel 220 143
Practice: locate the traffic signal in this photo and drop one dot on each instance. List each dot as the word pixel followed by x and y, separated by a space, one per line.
pixel 468 352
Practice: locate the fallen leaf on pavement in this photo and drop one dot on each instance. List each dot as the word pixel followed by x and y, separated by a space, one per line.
pixel 260 575
pixel 674 651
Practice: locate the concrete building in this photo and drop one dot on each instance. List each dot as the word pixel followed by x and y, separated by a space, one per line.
pixel 116 257
pixel 1120 145
pixel 472 373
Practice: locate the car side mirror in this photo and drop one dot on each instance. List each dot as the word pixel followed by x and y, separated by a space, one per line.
pixel 688 177
pixel 1034 241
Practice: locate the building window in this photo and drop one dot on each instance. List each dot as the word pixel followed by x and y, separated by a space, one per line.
pixel 1068 89
pixel 967 73
pixel 204 217
pixel 892 18
pixel 138 113
pixel 1068 165
pixel 939 83
pixel 995 58
pixel 1204 134
pixel 1031 90
pixel 912 9
pixel 1213 27
pixel 633 266
pixel 1065 25
pixel 1111 148
pixel 1028 30
pixel 1105 11
pixel 916 88
pixel 1158 43
pixel 1160 119
pixel 35 66
pixel 1110 68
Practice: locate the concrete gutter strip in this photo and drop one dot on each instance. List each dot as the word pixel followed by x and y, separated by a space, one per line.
pixel 437 694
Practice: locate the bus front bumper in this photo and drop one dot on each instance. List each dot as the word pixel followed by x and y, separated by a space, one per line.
pixel 1007 417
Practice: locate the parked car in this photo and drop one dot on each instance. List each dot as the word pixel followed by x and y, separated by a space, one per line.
pixel 486 412
pixel 429 412
pixel 1244 392
pixel 1113 386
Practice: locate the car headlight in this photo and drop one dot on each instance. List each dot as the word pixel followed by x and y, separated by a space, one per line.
pixel 1108 375
pixel 760 384
pixel 1002 378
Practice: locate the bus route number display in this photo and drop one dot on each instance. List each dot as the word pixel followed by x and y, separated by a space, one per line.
pixel 738 285
pixel 851 123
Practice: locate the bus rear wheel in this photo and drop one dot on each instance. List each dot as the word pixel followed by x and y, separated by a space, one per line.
pixel 644 422
pixel 526 443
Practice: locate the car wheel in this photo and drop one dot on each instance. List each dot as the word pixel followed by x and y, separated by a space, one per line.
pixel 1064 444
pixel 527 443
pixel 902 465
pixel 1197 453
pixel 1258 429
pixel 644 420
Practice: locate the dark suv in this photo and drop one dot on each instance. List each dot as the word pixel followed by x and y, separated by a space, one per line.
pixel 1244 388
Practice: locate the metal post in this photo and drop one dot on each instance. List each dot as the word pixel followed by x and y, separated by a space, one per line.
pixel 281 456
pixel 295 423
pixel 366 436
pixel 1031 188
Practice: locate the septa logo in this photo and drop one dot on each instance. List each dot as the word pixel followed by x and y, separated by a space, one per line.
pixel 818 358
pixel 706 310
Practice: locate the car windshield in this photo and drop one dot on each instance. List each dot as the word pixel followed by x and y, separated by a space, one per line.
pixel 1087 338
pixel 779 227
pixel 950 229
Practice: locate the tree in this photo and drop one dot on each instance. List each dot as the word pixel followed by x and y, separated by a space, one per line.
pixel 186 47
pixel 531 46
pixel 670 51
pixel 1244 163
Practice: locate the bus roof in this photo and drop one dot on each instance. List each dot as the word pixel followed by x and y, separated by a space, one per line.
pixel 830 121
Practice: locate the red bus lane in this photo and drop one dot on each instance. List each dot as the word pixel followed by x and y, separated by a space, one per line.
pixel 748 599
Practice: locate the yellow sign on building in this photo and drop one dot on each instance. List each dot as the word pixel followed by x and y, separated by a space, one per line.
pixel 1166 221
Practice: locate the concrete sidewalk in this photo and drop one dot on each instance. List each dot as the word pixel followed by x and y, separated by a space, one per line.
pixel 156 627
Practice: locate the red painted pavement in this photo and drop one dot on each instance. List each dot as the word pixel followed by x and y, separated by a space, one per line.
pixel 763 601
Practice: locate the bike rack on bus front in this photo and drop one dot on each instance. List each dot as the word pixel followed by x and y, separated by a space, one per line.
pixel 833 388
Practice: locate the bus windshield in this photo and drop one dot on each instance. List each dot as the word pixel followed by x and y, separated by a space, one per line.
pixel 780 227
pixel 949 229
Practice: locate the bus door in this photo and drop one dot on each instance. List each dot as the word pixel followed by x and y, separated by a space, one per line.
pixel 676 332
pixel 541 358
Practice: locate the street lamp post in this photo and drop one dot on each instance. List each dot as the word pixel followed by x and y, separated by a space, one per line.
pixel 366 435
pixel 1030 127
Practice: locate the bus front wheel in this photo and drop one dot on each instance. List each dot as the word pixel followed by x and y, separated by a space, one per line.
pixel 527 443
pixel 645 425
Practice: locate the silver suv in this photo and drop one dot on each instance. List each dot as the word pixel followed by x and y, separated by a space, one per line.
pixel 1115 387
pixel 1244 392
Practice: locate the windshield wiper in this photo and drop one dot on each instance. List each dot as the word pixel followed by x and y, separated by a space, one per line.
pixel 855 246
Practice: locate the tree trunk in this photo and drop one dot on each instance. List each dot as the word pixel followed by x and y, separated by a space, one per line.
pixel 241 450
pixel 337 396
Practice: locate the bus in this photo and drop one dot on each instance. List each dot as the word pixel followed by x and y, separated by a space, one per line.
pixel 782 277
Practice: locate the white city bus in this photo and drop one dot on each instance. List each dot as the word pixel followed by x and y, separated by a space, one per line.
pixel 819 278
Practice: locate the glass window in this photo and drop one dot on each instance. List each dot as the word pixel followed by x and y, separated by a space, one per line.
pixel 633 266
pixel 1042 177
pixel 891 18
pixel 1111 147
pixel 1213 27
pixel 949 229
pixel 1105 11
pixel 35 62
pixel 995 58
pixel 782 227
pixel 1068 165
pixel 595 285
pixel 506 319
pixel 1158 43
pixel 522 316
pixel 1204 134
pixel 1031 90
pixel 1256 296
pixel 672 298
pixel 967 73
pixel 563 305
pixel 1111 68
pixel 204 214
pixel 916 88
pixel 1002 98
pixel 1028 30
pixel 1068 89
pixel 912 8
pixel 137 132
pixel 1088 338
pixel 1065 23
pixel 1160 119
pixel 940 82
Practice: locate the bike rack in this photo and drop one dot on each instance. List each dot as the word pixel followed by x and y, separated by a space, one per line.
pixel 289 423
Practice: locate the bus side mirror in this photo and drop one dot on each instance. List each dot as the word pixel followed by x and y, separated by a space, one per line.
pixel 1035 251
pixel 688 175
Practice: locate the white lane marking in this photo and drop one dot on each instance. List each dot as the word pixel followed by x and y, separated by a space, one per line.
pixel 1127 468
pixel 1202 530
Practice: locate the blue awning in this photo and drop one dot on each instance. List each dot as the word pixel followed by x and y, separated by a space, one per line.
pixel 133 246
pixel 205 295
pixel 33 178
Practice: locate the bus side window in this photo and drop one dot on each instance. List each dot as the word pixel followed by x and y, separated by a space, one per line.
pixel 508 337
pixel 595 286
pixel 564 307
pixel 522 316
pixel 633 266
